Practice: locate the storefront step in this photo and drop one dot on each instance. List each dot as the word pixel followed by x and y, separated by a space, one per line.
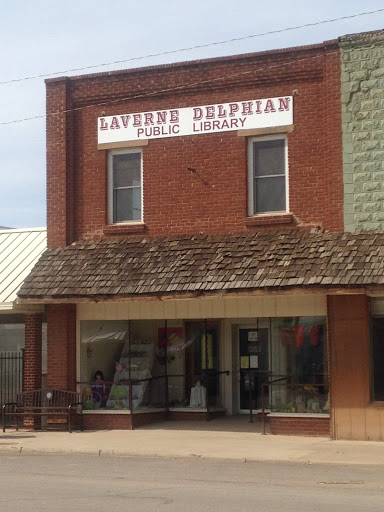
pixel 122 420
pixel 195 413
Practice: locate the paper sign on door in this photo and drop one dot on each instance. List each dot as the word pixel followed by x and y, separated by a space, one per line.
pixel 254 361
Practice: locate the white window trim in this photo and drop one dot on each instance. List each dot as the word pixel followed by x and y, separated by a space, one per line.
pixel 110 185
pixel 251 211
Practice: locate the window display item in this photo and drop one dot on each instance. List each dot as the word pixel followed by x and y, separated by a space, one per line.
pixel 314 334
pixel 300 403
pixel 99 393
pixel 207 352
pixel 299 331
pixel 198 396
pixel 136 362
pixel 88 403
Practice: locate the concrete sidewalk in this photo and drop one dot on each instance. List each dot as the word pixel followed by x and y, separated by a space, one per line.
pixel 192 440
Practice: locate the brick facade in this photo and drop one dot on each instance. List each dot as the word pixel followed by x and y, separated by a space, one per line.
pixel 299 426
pixel 96 421
pixel 61 334
pixel 32 352
pixel 32 360
pixel 214 198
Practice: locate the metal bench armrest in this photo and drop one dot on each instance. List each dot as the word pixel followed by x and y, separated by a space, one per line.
pixel 76 403
pixel 9 403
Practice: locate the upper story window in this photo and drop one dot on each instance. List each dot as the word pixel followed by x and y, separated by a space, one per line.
pixel 267 173
pixel 125 186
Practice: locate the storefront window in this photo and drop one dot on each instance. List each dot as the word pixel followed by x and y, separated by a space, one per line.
pixel 12 337
pixel 102 345
pixel 283 365
pixel 301 357
pixel 188 354
pixel 377 359
pixel 113 353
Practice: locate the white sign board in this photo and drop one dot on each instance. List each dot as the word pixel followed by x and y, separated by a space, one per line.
pixel 253 336
pixel 178 122
pixel 253 361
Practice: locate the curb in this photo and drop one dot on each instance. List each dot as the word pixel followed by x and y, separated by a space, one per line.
pixel 113 453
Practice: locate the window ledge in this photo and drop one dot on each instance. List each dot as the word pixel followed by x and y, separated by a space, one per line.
pixel 124 411
pixel 269 219
pixel 376 405
pixel 299 415
pixel 123 229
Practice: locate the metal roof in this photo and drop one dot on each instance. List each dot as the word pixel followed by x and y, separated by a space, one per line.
pixel 20 249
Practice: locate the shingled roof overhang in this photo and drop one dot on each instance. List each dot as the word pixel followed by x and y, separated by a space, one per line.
pixel 115 269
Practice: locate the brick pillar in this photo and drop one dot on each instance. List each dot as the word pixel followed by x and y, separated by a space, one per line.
pixel 71 347
pixel 32 352
pixel 61 344
pixel 59 164
pixel 32 361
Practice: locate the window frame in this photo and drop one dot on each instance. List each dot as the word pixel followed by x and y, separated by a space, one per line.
pixel 251 187
pixel 372 357
pixel 111 154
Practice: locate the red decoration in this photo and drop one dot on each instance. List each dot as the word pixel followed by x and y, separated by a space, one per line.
pixel 299 331
pixel 171 333
pixel 314 334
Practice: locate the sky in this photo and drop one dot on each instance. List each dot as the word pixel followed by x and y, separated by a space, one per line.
pixel 44 37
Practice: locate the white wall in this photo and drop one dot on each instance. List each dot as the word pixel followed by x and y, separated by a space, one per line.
pixel 217 307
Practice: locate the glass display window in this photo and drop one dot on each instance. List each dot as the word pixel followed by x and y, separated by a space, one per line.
pixel 115 353
pixel 285 361
pixel 377 358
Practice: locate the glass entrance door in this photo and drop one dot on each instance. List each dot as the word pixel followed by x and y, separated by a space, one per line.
pixel 254 365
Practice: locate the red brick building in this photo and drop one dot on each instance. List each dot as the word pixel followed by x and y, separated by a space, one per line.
pixel 196 255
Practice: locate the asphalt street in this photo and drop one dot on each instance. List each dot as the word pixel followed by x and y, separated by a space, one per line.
pixel 36 483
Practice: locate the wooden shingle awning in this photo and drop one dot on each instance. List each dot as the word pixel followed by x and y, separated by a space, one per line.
pixel 161 267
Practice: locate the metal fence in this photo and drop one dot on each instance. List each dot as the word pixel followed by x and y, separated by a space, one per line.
pixel 11 375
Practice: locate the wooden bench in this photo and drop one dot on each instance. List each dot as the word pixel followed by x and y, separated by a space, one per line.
pixel 44 402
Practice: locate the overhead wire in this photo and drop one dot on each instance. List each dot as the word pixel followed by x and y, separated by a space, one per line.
pixel 157 92
pixel 190 48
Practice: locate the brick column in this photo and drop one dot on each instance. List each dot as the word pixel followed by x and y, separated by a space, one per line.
pixel 61 325
pixel 32 352
pixel 59 164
